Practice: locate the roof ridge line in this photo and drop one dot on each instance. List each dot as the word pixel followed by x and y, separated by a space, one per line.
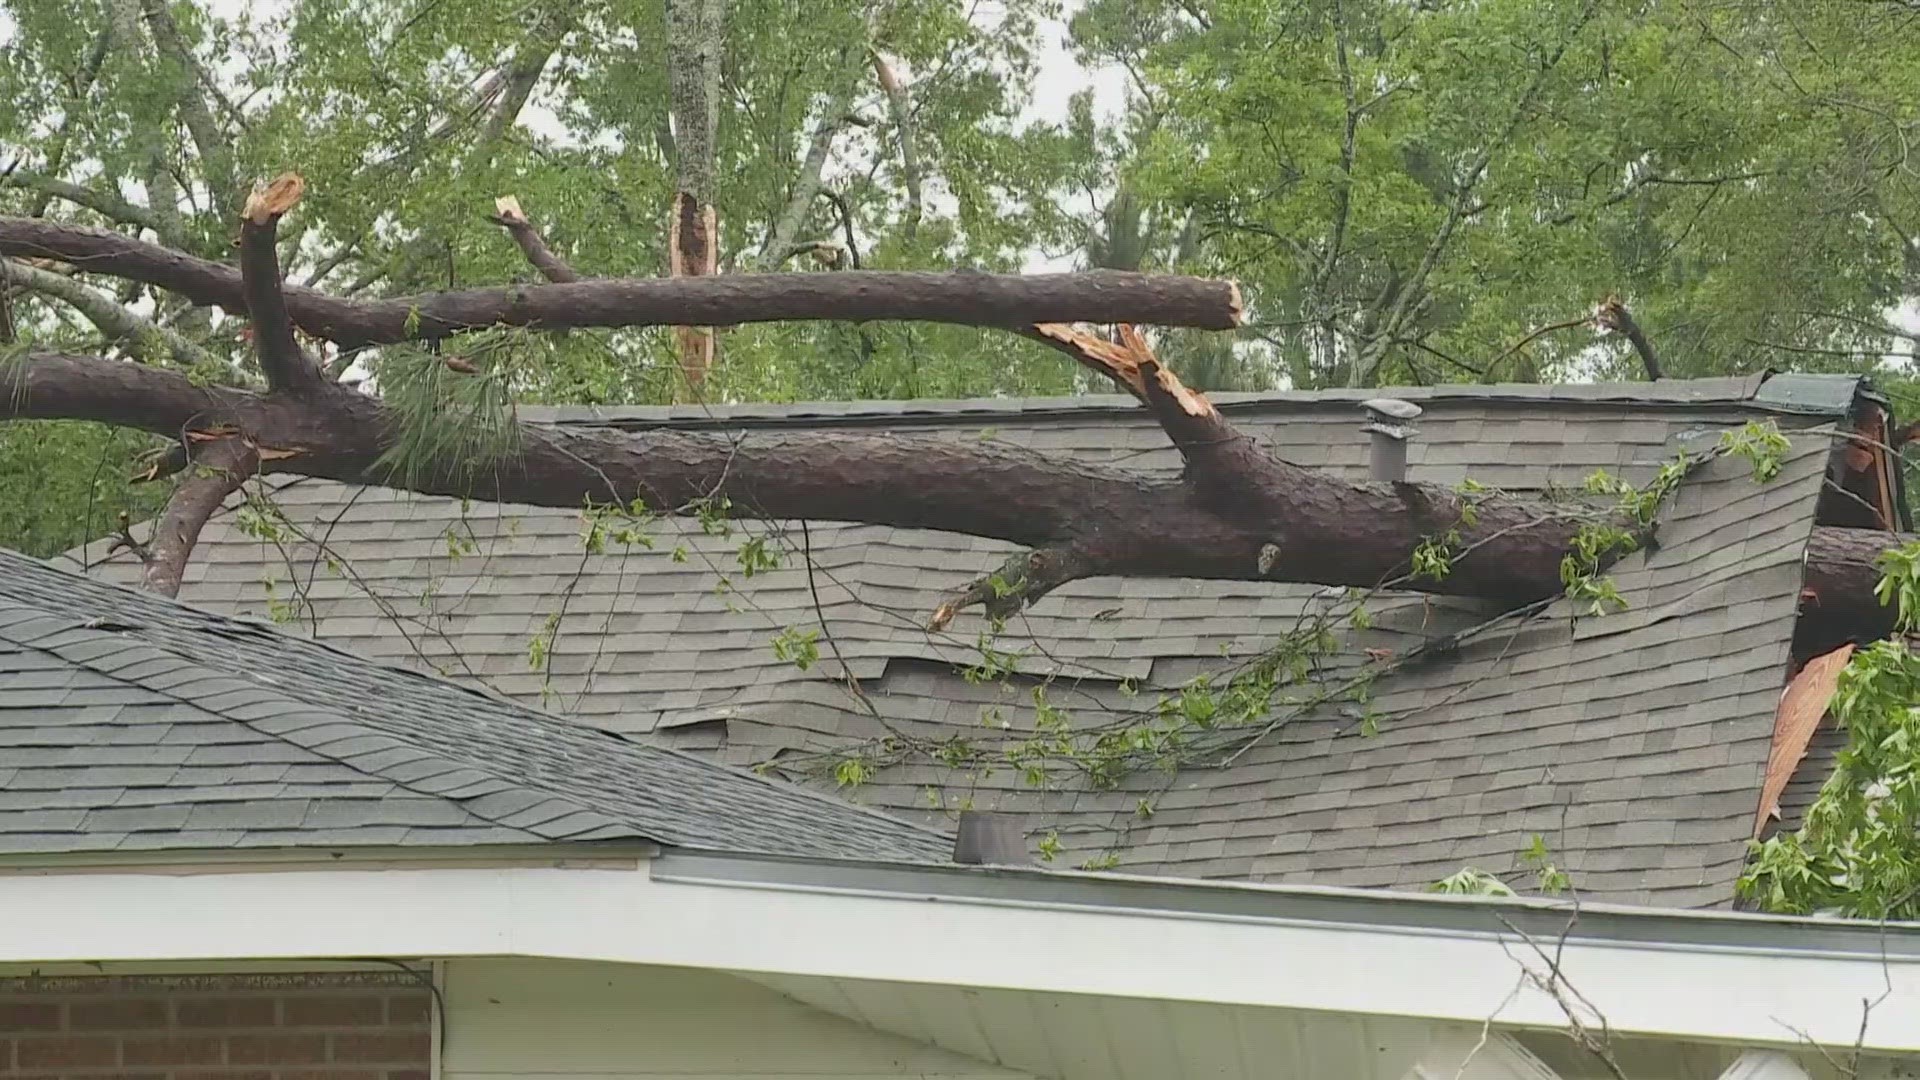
pixel 155 651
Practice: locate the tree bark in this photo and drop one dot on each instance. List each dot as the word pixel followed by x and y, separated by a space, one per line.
pixel 120 325
pixel 218 471
pixel 968 299
pixel 1841 577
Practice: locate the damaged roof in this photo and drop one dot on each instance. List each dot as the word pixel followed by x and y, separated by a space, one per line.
pixel 129 722
pixel 1634 745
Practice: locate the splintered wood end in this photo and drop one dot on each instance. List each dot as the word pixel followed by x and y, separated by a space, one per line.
pixel 275 198
pixel 509 210
pixel 1236 304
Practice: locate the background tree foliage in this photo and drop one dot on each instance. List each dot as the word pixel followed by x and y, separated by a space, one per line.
pixel 1404 189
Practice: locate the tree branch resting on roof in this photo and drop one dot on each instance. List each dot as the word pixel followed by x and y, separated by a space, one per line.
pixel 1236 512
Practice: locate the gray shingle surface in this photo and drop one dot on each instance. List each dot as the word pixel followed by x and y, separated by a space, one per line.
pixel 1633 744
pixel 130 722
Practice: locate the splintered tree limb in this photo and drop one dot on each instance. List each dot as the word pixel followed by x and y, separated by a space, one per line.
pixel 965 299
pixel 284 363
pixel 219 467
pixel 695 46
pixel 1021 581
pixel 1613 315
pixel 900 106
pixel 510 217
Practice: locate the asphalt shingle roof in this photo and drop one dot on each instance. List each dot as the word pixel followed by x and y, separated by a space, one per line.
pixel 1634 744
pixel 131 722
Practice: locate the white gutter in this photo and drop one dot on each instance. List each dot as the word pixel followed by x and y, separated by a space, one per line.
pixel 729 915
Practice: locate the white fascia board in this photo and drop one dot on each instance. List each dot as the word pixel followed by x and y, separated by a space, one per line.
pixel 1748 995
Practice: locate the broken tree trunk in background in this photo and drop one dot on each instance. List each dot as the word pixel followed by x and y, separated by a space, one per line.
pixel 696 37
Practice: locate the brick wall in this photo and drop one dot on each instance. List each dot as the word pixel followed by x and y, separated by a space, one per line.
pixel 318 1026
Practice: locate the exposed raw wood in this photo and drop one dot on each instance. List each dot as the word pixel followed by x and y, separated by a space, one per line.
pixel 1613 315
pixel 693 250
pixel 509 216
pixel 900 106
pixel 695 43
pixel 968 299
pixel 1801 709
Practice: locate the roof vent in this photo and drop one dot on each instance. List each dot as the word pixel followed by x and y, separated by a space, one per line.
pixel 1389 425
pixel 990 839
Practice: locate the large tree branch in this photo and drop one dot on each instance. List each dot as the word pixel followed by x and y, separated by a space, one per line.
pixel 121 326
pixel 107 205
pixel 968 299
pixel 1237 513
pixel 779 246
pixel 521 76
pixel 285 364
pixel 1842 573
pixel 218 469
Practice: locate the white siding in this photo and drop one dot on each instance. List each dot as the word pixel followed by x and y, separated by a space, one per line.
pixel 548 1019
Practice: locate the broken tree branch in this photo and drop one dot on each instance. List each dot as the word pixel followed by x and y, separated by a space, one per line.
pixel 1613 315
pixel 284 363
pixel 966 299
pixel 900 106
pixel 806 185
pixel 510 217
pixel 218 470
